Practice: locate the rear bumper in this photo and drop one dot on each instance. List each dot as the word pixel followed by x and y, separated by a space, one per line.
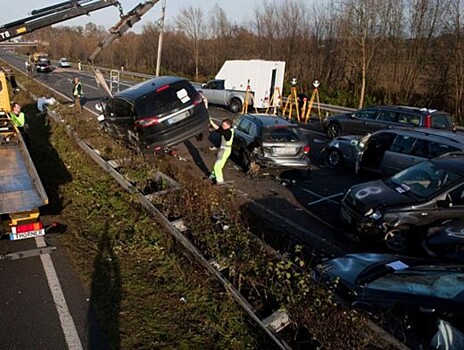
pixel 303 163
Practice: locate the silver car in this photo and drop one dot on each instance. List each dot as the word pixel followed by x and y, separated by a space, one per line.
pixel 271 142
pixel 387 152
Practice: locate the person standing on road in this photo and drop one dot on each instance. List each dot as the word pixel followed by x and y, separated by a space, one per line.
pixel 19 120
pixel 227 138
pixel 77 93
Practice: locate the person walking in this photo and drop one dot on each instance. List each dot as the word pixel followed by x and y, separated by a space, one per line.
pixel 79 65
pixel 19 120
pixel 77 94
pixel 227 138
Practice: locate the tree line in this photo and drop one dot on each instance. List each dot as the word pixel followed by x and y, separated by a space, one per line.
pixel 364 52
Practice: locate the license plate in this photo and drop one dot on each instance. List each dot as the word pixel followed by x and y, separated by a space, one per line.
pixel 284 150
pixel 345 215
pixel 27 234
pixel 178 118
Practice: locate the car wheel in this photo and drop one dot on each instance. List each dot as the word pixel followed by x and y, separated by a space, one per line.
pixel 334 130
pixel 397 239
pixel 235 105
pixel 334 158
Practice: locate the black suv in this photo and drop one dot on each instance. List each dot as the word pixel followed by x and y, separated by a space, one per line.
pixel 370 119
pixel 401 207
pixel 156 114
pixel 270 141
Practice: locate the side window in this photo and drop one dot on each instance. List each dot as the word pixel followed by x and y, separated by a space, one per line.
pixel 437 149
pixel 366 114
pixel 387 116
pixel 419 149
pixel 253 130
pixel 405 118
pixel 441 121
pixel 457 196
pixel 402 144
pixel 244 126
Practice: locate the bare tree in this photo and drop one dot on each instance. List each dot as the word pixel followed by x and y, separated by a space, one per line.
pixel 190 22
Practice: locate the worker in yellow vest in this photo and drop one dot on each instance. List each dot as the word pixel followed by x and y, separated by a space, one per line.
pixel 19 120
pixel 77 94
pixel 227 138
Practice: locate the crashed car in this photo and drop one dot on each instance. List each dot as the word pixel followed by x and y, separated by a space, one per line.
pixel 387 152
pixel 424 296
pixel 271 142
pixel 397 210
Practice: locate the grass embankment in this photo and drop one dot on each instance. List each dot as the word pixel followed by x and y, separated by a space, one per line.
pixel 138 281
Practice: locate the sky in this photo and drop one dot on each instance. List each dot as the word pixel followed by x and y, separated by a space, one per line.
pixel 236 10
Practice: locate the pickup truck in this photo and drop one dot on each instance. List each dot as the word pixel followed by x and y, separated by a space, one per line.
pixel 217 94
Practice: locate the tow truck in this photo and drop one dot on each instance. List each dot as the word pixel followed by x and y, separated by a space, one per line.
pixel 21 191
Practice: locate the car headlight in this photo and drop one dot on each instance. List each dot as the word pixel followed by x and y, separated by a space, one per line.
pixel 374 215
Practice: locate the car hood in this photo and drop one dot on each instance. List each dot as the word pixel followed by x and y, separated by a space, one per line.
pixel 377 194
pixel 350 266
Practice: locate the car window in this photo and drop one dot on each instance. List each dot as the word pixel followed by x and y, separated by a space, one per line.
pixel 402 144
pixel 244 126
pixel 118 108
pixel 422 180
pixel 387 116
pixel 175 96
pixel 457 196
pixel 433 283
pixel 253 130
pixel 216 84
pixel 442 121
pixel 406 118
pixel 437 149
pixel 366 114
pixel 419 149
pixel 281 134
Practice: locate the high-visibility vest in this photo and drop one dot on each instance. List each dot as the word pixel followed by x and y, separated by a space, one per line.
pixel 18 120
pixel 78 89
pixel 225 143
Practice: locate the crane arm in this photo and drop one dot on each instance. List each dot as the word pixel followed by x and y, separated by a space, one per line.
pixel 126 22
pixel 51 15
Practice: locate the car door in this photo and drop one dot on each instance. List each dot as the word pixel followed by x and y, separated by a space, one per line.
pixel 404 152
pixel 214 91
pixel 385 119
pixel 241 136
pixel 358 122
pixel 374 150
pixel 450 205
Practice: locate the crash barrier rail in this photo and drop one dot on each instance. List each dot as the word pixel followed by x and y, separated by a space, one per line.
pixel 272 324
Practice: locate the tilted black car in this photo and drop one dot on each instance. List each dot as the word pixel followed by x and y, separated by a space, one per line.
pixel 400 208
pixel 370 119
pixel 423 295
pixel 271 142
pixel 156 114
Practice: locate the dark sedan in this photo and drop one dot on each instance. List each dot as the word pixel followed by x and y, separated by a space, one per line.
pixel 421 293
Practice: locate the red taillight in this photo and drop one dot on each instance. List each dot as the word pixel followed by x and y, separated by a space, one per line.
pixel 198 99
pixel 146 122
pixel 428 121
pixel 34 226
pixel 162 88
pixel 306 149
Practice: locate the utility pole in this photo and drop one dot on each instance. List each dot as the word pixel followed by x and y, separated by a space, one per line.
pixel 160 38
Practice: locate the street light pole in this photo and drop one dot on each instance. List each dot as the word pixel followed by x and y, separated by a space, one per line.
pixel 160 38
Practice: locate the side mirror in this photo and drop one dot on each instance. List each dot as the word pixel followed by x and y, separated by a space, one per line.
pixel 203 85
pixel 353 116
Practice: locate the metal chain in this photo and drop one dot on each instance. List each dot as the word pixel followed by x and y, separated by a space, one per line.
pixel 121 11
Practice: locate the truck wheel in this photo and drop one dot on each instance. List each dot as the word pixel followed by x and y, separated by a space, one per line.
pixel 235 105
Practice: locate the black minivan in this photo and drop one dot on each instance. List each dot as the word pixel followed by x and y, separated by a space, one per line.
pixel 156 114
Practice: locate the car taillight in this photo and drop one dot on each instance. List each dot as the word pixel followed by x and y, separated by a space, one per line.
pixel 198 99
pixel 146 122
pixel 306 149
pixel 162 88
pixel 428 122
pixel 34 226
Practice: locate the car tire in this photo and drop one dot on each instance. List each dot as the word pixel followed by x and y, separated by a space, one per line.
pixel 397 239
pixel 235 105
pixel 334 158
pixel 334 130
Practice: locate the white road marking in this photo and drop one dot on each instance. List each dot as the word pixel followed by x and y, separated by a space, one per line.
pixel 67 324
pixel 322 198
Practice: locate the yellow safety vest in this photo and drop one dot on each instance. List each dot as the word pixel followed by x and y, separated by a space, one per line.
pixel 78 87
pixel 227 144
pixel 18 120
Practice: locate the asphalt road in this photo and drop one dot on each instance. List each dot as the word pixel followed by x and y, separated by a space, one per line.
pixel 307 207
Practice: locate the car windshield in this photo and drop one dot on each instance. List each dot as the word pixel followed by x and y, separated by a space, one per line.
pixel 422 280
pixel 281 134
pixel 422 180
